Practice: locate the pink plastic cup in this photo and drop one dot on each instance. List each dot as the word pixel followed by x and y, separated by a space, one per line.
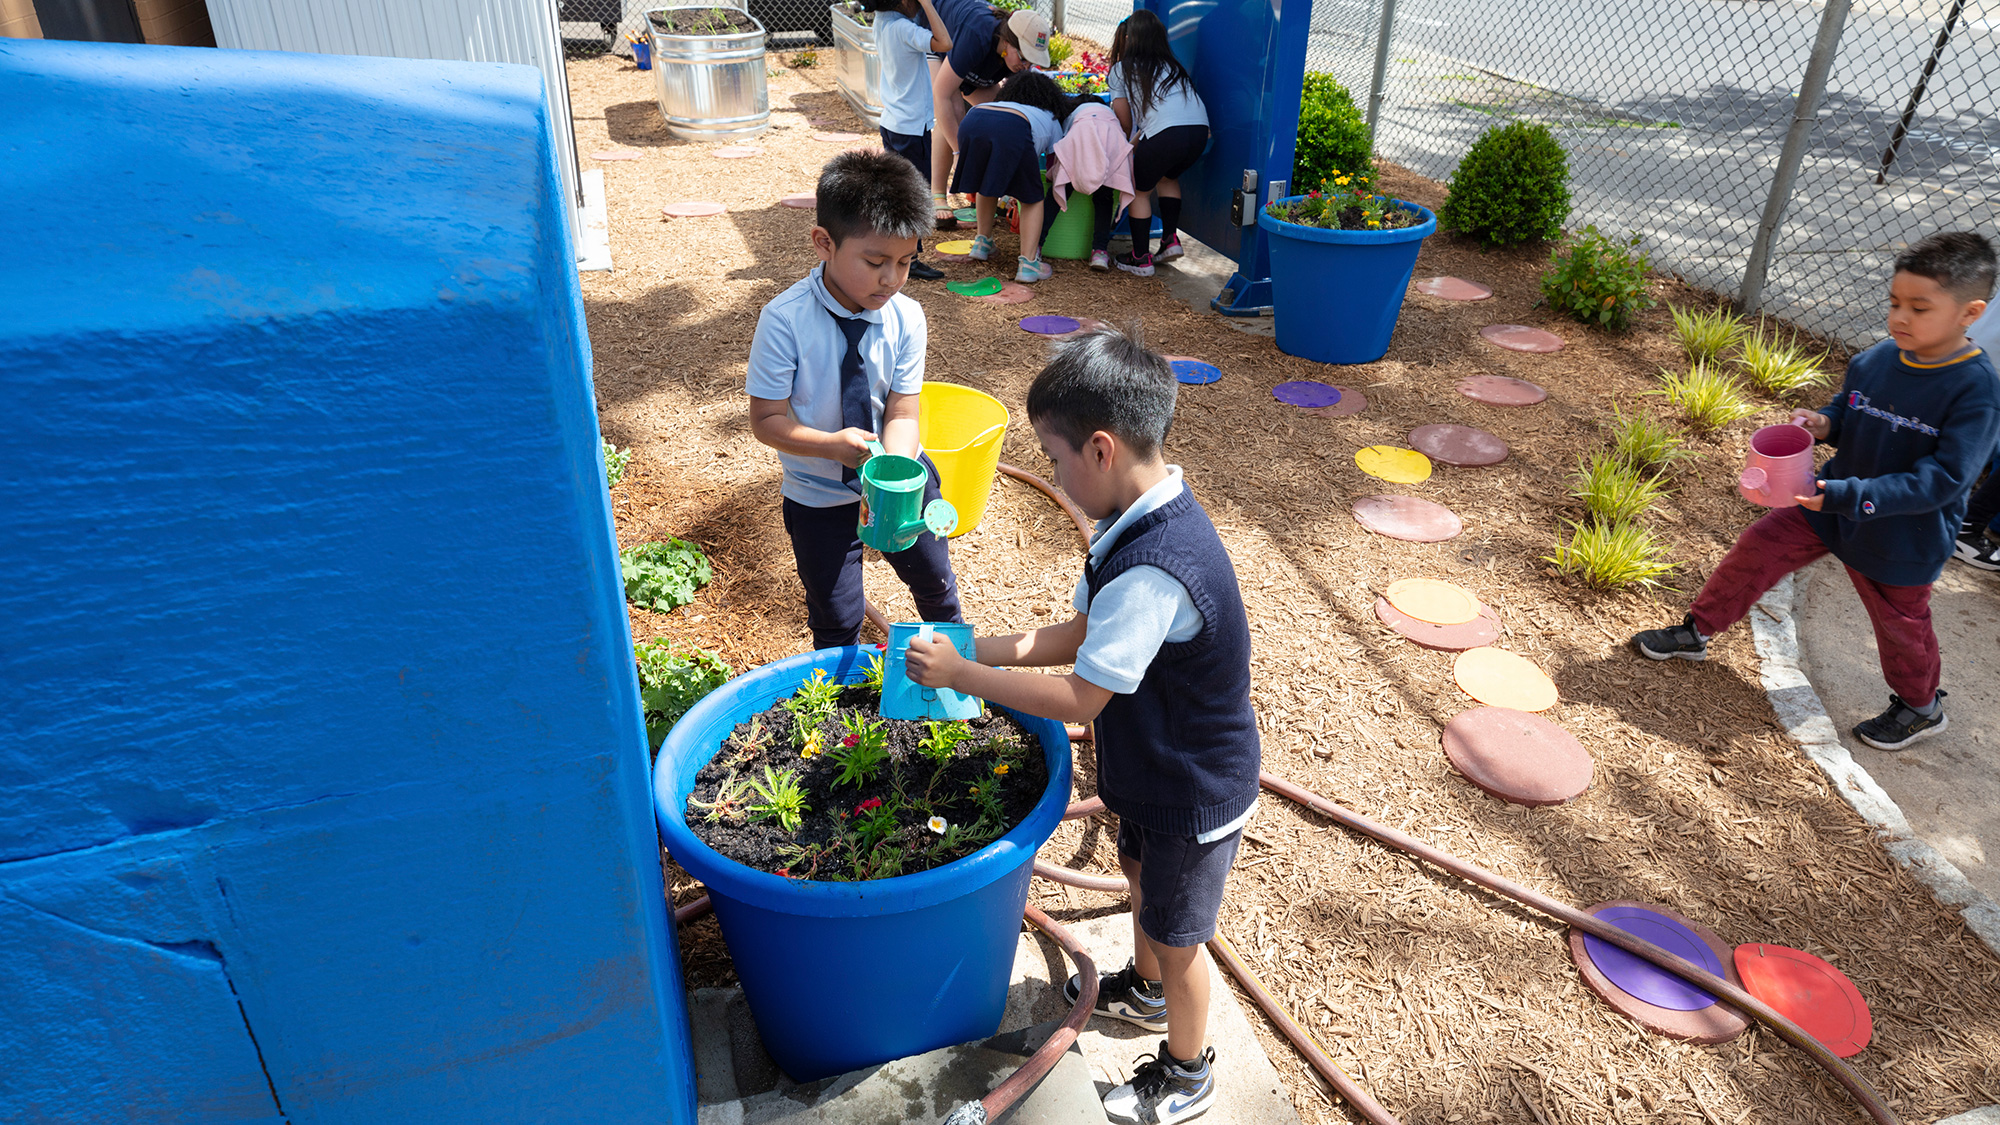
pixel 1779 467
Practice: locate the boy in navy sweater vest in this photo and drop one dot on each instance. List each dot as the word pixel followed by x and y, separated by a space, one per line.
pixel 1161 646
pixel 1915 420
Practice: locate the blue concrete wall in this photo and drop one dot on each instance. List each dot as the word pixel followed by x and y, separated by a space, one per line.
pixel 323 783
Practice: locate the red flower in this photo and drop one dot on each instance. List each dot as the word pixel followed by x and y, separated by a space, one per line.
pixel 870 803
pixel 850 740
pixel 783 872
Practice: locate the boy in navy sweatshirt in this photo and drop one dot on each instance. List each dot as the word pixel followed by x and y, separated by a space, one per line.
pixel 1161 646
pixel 1915 420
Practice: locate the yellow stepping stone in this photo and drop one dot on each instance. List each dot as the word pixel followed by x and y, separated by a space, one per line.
pixel 1403 466
pixel 1499 678
pixel 958 246
pixel 1427 599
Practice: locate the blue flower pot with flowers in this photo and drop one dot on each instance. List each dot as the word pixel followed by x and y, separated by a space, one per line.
pixel 846 975
pixel 1336 292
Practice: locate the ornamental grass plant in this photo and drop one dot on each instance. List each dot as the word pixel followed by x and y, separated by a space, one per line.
pixel 1780 369
pixel 1706 396
pixel 1611 555
pixel 1644 442
pixel 1706 334
pixel 1612 490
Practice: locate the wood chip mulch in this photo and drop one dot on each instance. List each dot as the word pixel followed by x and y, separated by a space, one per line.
pixel 1449 1004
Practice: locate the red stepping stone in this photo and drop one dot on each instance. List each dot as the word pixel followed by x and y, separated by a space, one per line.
pixel 1453 289
pixel 1481 630
pixel 693 209
pixel 1351 402
pixel 1501 390
pixel 804 201
pixel 1011 293
pixel 1407 518
pixel 836 138
pixel 1715 1023
pixel 1522 759
pixel 1458 445
pixel 614 156
pixel 736 152
pixel 1521 338
pixel 1809 992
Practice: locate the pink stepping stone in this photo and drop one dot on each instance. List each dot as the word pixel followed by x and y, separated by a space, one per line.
pixel 1501 390
pixel 1011 293
pixel 804 201
pixel 614 156
pixel 1476 633
pixel 1521 338
pixel 1453 289
pixel 736 152
pixel 836 138
pixel 1521 758
pixel 1407 518
pixel 693 209
pixel 1351 402
pixel 1458 445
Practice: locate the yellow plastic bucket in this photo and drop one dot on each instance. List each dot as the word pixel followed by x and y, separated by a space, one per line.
pixel 961 430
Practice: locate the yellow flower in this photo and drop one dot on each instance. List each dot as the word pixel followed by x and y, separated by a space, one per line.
pixel 1001 769
pixel 812 746
pixel 1344 181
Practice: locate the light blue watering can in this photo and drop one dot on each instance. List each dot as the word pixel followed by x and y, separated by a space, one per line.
pixel 904 698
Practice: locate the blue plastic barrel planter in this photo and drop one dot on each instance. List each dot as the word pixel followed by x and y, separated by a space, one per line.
pixel 1335 294
pixel 847 975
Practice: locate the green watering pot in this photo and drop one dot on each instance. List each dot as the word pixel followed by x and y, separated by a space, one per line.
pixel 892 492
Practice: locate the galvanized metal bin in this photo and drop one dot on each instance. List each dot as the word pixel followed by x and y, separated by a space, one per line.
pixel 857 65
pixel 711 87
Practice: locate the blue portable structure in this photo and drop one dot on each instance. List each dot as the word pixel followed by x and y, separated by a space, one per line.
pixel 324 784
pixel 1248 62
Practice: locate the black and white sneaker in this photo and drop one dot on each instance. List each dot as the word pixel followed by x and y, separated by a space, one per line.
pixel 1682 641
pixel 1163 1090
pixel 1125 995
pixel 1901 724
pixel 1976 551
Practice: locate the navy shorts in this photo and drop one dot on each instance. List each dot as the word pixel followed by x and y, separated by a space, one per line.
pixel 1180 882
pixel 996 157
pixel 913 147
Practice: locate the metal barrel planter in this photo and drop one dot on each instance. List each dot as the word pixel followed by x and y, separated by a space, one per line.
pixel 711 87
pixel 857 63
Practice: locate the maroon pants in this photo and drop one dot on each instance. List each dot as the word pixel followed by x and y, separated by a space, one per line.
pixel 1783 542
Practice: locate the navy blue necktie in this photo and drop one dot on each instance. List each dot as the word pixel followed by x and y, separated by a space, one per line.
pixel 855 404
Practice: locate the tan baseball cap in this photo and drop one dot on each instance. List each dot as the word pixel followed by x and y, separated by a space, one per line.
pixel 1033 32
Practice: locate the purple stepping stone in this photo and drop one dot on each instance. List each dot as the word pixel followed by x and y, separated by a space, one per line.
pixel 1306 393
pixel 1050 325
pixel 1642 979
pixel 1521 338
pixel 1458 445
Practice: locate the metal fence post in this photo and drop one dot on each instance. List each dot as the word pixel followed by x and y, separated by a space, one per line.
pixel 1057 22
pixel 1377 84
pixel 1811 88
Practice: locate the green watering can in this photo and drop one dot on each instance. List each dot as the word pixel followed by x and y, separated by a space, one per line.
pixel 892 490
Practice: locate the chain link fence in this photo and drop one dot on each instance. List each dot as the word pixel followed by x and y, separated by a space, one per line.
pixel 1675 114
pixel 593 27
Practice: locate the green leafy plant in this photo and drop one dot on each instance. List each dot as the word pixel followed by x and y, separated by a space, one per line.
pixel 730 798
pixel 1060 50
pixel 804 60
pixel 1345 202
pixel 1611 555
pixel 664 576
pixel 871 681
pixel 673 679
pixel 1012 5
pixel 1612 489
pixel 1512 186
pixel 1706 334
pixel 615 460
pixel 1779 368
pixel 942 739
pixel 1707 397
pixel 1644 442
pixel 783 800
pixel 811 705
pixel 1598 280
pixel 1332 134
pixel 861 754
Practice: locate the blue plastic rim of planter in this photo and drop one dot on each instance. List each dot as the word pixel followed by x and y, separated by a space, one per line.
pixel 846 975
pixel 1335 294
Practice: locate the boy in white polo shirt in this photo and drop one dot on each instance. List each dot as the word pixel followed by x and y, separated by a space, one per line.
pixel 904 46
pixel 838 361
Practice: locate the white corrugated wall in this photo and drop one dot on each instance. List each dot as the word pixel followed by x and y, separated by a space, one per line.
pixel 513 31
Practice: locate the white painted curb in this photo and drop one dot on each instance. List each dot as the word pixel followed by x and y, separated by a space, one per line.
pixel 1772 622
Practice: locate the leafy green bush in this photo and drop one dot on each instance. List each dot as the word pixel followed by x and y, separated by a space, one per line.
pixel 671 680
pixel 1333 136
pixel 1610 555
pixel 615 460
pixel 1708 398
pixel 1597 280
pixel 1512 186
pixel 1704 336
pixel 664 576
pixel 1612 489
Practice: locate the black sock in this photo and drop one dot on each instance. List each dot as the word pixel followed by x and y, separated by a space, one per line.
pixel 1170 219
pixel 1142 236
pixel 1101 203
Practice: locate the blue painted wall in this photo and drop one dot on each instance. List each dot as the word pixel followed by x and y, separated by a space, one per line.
pixel 323 783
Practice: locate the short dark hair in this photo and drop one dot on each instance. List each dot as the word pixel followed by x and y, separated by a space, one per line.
pixel 871 191
pixel 1960 261
pixel 1106 380
pixel 1031 87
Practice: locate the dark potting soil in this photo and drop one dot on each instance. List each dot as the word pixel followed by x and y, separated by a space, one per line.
pixel 985 786
pixel 703 21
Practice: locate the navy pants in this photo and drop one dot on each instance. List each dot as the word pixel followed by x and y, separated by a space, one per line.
pixel 827 545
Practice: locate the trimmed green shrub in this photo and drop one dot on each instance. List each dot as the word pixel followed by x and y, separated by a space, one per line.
pixel 1598 280
pixel 1333 136
pixel 1511 187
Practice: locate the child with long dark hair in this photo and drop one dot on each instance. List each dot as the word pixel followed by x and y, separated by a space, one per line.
pixel 1154 97
pixel 1003 145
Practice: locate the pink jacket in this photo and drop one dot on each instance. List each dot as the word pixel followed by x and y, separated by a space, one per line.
pixel 1092 154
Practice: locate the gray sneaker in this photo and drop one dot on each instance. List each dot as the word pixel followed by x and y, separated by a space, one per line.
pixel 1901 725
pixel 1125 995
